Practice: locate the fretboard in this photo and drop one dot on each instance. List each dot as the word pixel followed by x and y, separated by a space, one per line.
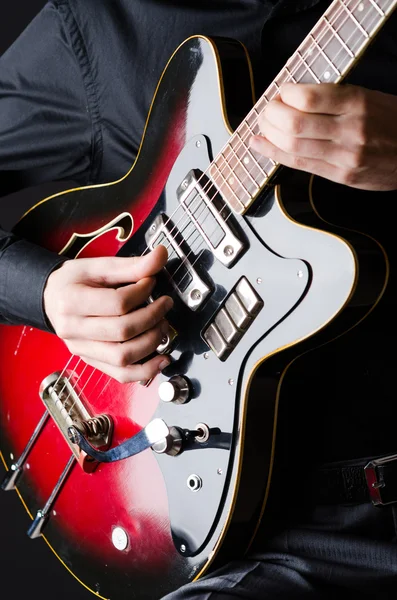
pixel 326 55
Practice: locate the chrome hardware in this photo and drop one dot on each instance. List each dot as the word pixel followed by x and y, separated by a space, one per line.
pixel 170 444
pixel 210 217
pixel 194 483
pixel 156 435
pixel 176 389
pixel 10 480
pixel 377 473
pixel 168 341
pixel 64 402
pixel 36 528
pixel 187 282
pixel 233 319
pixel 204 433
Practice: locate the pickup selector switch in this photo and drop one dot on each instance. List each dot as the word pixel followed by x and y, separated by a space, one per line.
pixel 176 389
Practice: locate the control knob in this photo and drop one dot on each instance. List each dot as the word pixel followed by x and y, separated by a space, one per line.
pixel 176 389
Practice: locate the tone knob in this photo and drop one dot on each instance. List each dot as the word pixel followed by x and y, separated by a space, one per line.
pixel 176 389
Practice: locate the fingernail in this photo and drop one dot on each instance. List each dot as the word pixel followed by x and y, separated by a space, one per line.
pixel 164 363
pixel 169 303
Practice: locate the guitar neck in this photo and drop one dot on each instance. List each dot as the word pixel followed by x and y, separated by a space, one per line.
pixel 326 55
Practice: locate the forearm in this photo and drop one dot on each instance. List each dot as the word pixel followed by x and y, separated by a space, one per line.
pixel 24 269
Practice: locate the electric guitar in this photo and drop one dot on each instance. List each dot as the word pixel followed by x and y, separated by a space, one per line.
pixel 140 488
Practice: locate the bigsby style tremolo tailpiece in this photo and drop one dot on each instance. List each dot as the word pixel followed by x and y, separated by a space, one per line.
pixel 64 403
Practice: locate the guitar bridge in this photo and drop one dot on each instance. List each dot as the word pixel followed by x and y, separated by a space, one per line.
pixel 63 401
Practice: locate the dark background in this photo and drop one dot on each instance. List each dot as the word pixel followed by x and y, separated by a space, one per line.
pixel 28 568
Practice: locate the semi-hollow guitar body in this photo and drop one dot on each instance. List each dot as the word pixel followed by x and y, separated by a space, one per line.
pixel 252 292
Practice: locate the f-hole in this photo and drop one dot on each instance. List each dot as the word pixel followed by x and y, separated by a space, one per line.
pixel 123 224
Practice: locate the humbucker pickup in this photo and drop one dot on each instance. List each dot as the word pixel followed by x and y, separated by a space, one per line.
pixel 211 216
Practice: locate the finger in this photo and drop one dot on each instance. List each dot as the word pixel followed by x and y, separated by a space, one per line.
pixel 101 301
pixel 132 373
pixel 325 150
pixel 116 328
pixel 297 123
pixel 117 270
pixel 310 165
pixel 324 98
pixel 116 354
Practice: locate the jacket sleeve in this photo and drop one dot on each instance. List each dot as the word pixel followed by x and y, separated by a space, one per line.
pixel 45 136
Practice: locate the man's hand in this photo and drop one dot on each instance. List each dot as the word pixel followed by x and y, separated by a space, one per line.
pixel 94 304
pixel 344 133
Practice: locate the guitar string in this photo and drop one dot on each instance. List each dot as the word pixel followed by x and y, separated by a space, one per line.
pixel 214 184
pixel 189 222
pixel 339 11
pixel 301 64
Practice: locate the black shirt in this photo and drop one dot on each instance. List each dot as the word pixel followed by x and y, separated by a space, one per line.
pixel 75 90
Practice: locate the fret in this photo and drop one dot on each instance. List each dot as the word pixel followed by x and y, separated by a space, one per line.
pixel 334 51
pixel 290 75
pixel 308 67
pixel 376 7
pixel 238 168
pixel 232 197
pixel 261 104
pixel 336 34
pixel 325 56
pixel 240 163
pixel 357 23
pixel 230 178
pixel 249 156
pixel 259 157
pixel 282 77
pixel 251 122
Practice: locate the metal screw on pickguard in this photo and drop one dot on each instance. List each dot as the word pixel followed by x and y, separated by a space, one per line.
pixel 198 144
pixel 219 471
pixel 195 294
pixel 206 356
pixel 183 548
pixel 153 227
pixel 231 381
pixel 184 184
pixel 259 280
pixel 300 274
pixel 228 251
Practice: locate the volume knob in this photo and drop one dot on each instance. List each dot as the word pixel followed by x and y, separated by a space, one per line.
pixel 176 389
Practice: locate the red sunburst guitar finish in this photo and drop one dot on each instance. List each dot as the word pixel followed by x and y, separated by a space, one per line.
pixel 143 526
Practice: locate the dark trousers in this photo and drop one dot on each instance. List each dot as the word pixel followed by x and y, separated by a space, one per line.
pixel 306 550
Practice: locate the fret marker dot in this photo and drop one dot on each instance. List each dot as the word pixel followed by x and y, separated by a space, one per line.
pixel 231 180
pixel 361 7
pixel 327 75
pixel 246 160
